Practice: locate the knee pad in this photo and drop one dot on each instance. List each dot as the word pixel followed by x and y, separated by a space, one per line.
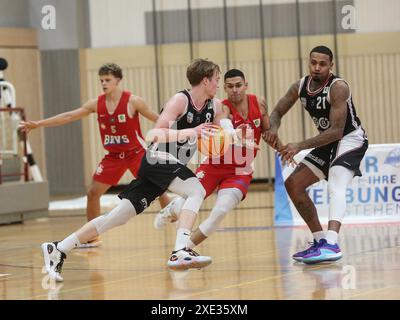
pixel 116 217
pixel 339 178
pixel 227 199
pixel 194 199
pixel 190 189
pixel 234 195
pixel 337 204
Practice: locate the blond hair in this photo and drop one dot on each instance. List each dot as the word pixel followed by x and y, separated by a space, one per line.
pixel 200 69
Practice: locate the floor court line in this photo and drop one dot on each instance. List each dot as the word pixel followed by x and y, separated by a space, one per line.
pixel 246 283
pixel 262 253
pixel 286 274
pixel 132 278
pixel 365 293
pixel 289 273
pixel 359 258
pixel 99 284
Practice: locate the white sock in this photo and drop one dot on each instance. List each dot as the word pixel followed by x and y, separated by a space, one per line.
pixel 190 244
pixel 68 243
pixel 319 235
pixel 182 237
pixel 332 237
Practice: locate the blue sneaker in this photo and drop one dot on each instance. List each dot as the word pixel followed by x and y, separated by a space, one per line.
pixel 299 255
pixel 323 252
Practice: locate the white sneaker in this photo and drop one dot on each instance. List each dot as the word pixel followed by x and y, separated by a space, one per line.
pixel 53 260
pixel 165 215
pixel 187 258
pixel 95 243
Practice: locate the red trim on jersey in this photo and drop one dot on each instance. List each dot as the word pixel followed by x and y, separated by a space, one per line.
pixel 119 132
pixel 313 93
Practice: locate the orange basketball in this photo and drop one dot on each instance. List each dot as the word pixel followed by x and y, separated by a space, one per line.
pixel 214 146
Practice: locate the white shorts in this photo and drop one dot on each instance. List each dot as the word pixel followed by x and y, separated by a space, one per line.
pixel 347 152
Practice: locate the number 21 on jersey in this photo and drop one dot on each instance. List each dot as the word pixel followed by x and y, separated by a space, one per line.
pixel 319 100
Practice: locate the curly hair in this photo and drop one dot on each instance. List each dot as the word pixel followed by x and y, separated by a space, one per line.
pixel 111 68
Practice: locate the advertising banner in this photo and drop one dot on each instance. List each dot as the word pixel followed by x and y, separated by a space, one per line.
pixel 374 197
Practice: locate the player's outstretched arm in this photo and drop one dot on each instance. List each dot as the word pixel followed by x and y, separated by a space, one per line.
pixel 283 106
pixel 265 122
pixel 62 118
pixel 138 104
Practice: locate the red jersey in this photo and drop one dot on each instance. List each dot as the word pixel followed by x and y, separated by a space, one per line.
pixel 119 132
pixel 253 122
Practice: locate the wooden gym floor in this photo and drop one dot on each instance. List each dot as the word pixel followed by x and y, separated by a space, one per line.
pixel 251 260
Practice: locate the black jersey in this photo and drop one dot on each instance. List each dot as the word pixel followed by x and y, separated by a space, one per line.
pixel 184 150
pixel 317 103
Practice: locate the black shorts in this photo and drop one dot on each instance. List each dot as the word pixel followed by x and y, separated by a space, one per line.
pixel 153 180
pixel 347 152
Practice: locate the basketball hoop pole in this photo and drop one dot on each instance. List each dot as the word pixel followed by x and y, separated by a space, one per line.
pixel 22 138
pixel 1 163
pixel 25 142
pixel 7 93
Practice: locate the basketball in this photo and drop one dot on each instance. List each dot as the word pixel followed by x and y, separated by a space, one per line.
pixel 214 146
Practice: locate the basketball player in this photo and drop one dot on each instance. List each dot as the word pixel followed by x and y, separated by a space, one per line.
pixel 118 117
pixel 185 117
pixel 233 173
pixel 338 150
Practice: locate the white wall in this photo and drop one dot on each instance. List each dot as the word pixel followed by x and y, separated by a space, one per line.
pixel 122 22
pixel 118 22
pixel 377 16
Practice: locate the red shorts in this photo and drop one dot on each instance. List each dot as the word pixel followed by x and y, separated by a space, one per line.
pixel 114 165
pixel 221 177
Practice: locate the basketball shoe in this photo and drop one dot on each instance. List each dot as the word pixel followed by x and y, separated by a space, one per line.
pixel 53 260
pixel 299 255
pixel 323 252
pixel 90 244
pixel 166 215
pixel 187 258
